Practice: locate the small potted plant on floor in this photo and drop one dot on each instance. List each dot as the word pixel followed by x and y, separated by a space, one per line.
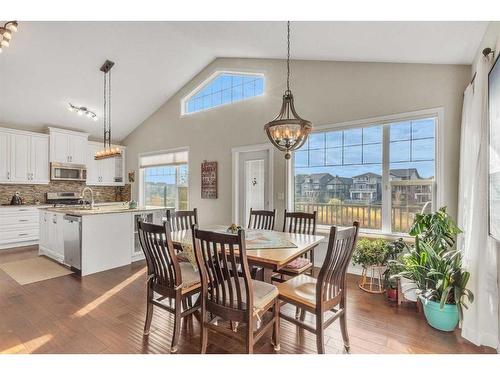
pixel 393 253
pixel 436 269
pixel 371 255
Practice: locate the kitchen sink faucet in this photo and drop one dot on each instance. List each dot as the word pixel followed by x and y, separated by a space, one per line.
pixel 86 188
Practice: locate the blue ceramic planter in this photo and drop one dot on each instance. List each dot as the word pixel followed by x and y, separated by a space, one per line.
pixel 445 319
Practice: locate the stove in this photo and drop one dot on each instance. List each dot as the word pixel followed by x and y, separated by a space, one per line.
pixel 65 198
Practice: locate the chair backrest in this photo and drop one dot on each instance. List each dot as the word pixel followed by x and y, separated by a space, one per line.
pixel 299 222
pixel 182 220
pixel 261 219
pixel 163 266
pixel 331 278
pixel 228 294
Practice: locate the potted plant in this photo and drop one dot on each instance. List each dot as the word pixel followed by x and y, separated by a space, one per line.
pixel 372 256
pixel 436 269
pixel 393 253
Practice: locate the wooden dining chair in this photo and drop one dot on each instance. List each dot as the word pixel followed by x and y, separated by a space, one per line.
pixel 299 223
pixel 262 219
pixel 182 220
pixel 233 297
pixel 327 293
pixel 171 280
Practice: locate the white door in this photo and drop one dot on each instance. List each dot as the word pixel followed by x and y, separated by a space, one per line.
pixel 59 147
pixel 4 157
pixel 253 183
pixel 78 147
pixel 39 159
pixel 20 149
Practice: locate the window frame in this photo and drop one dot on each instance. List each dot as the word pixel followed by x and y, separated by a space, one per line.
pixel 142 177
pixel 210 78
pixel 384 121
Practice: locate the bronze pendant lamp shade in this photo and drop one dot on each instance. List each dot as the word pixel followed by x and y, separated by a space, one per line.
pixel 288 131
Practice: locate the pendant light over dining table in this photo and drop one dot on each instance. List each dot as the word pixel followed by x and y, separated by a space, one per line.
pixel 107 151
pixel 288 131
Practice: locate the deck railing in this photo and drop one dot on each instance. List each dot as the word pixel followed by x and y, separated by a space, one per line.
pixel 368 215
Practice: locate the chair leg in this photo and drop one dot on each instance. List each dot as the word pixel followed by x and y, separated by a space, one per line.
pixel 320 340
pixel 276 330
pixel 149 312
pixel 343 330
pixel 249 342
pixel 177 324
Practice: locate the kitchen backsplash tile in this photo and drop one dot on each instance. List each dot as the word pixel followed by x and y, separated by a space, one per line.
pixel 33 193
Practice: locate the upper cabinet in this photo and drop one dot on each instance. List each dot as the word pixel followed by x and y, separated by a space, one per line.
pixel 68 146
pixel 105 172
pixel 23 157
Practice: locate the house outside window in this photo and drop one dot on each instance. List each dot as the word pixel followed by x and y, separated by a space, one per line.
pixel 164 179
pixel 341 173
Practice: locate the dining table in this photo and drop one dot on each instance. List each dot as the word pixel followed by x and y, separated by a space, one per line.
pixel 272 259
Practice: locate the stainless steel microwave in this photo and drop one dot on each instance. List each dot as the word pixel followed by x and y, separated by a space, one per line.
pixel 68 172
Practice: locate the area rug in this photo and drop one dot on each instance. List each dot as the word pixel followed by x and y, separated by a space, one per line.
pixel 32 270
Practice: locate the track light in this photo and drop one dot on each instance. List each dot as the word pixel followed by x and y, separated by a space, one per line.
pixel 82 111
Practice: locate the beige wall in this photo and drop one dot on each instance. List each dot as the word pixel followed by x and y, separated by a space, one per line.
pixel 325 93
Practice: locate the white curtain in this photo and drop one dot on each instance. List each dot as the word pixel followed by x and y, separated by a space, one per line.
pixel 480 324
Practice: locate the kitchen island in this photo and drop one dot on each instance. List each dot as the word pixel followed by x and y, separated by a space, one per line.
pixel 94 240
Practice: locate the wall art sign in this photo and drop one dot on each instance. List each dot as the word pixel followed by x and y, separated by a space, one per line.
pixel 209 180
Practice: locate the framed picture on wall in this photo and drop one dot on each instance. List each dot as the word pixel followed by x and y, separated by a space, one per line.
pixel 494 151
pixel 209 180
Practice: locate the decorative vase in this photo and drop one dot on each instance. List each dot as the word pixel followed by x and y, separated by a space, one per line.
pixel 372 283
pixel 445 319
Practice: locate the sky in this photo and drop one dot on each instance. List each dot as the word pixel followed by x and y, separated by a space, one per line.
pixel 356 151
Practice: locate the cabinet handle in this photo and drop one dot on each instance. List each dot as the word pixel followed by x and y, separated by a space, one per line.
pixel 8 175
pixel 23 209
pixel 23 220
pixel 22 234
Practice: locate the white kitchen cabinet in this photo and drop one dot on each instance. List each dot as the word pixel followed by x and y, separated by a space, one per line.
pixel 20 158
pixel 23 157
pixel 4 156
pixel 39 159
pixel 19 226
pixel 68 146
pixel 105 172
pixel 52 235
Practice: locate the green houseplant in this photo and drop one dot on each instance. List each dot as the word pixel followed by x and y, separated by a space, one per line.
pixel 370 252
pixel 393 255
pixel 372 255
pixel 436 269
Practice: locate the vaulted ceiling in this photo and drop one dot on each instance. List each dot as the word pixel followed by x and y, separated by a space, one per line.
pixel 50 64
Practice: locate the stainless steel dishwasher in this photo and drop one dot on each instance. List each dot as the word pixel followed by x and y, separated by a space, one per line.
pixel 73 241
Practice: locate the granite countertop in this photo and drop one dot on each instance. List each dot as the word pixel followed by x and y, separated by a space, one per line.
pixel 41 205
pixel 108 209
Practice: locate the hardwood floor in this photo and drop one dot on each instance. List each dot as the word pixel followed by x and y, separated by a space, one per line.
pixel 104 313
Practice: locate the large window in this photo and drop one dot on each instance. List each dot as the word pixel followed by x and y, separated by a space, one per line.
pixel 225 88
pixel 363 173
pixel 164 180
